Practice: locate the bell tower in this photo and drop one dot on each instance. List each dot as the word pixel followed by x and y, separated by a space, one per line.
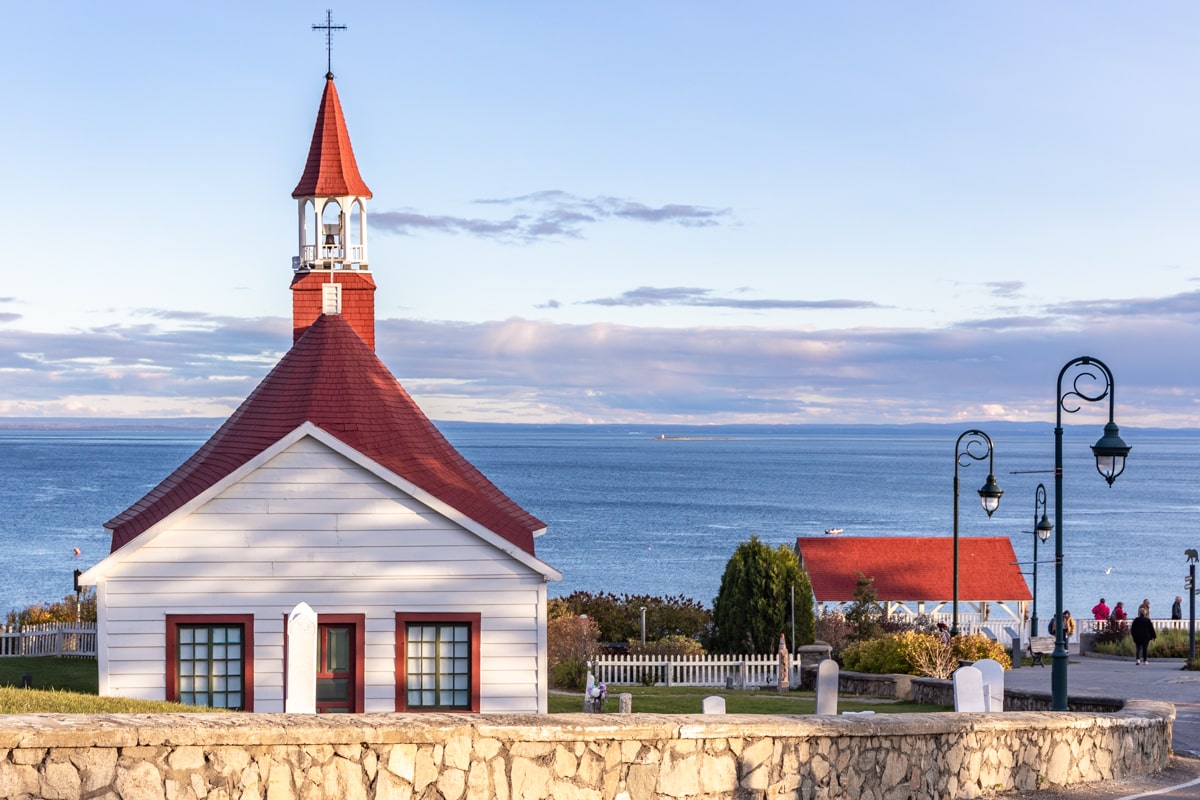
pixel 331 270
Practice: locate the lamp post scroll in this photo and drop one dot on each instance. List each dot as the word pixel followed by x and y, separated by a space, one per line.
pixel 1092 383
pixel 972 445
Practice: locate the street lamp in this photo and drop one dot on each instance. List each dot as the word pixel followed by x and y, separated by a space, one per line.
pixel 970 447
pixel 1110 453
pixel 1042 528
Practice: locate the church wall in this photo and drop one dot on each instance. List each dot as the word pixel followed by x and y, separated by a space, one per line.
pixel 312 526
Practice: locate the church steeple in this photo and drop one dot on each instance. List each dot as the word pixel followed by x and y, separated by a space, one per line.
pixel 332 275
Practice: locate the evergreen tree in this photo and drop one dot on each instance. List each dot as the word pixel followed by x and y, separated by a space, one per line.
pixel 865 613
pixel 754 603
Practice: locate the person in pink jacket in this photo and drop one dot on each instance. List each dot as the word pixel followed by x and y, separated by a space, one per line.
pixel 1100 610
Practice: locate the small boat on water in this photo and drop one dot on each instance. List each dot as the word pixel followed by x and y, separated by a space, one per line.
pixel 833 531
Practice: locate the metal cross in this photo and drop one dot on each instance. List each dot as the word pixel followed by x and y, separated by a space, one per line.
pixel 329 28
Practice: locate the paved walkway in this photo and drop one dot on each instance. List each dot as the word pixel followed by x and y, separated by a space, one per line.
pixel 1161 679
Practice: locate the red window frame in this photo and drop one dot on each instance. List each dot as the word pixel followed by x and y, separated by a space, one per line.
pixel 402 621
pixel 172 660
pixel 359 621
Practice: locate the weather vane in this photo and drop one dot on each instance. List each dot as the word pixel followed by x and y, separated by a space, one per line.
pixel 329 28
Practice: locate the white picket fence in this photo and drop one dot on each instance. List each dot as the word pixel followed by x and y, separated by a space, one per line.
pixel 706 670
pixel 75 639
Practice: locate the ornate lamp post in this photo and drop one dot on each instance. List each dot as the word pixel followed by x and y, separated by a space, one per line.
pixel 1110 453
pixel 1042 528
pixel 971 446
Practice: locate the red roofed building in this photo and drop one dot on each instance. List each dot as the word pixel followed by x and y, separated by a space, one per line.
pixel 327 486
pixel 913 572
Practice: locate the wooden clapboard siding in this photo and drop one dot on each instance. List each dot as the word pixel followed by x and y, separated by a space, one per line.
pixel 310 525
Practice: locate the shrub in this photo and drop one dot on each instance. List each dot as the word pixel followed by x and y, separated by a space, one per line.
pixel 1111 631
pixel 571 642
pixel 1121 647
pixel 69 609
pixel 976 646
pixel 619 618
pixel 881 655
pixel 832 628
pixel 673 645
pixel 1170 644
pixel 928 655
pixel 920 653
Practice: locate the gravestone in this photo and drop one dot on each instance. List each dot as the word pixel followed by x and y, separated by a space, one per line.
pixel 993 683
pixel 302 661
pixel 827 687
pixel 784 681
pixel 968 689
pixel 625 701
pixel 714 704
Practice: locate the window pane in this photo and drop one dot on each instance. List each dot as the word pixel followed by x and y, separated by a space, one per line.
pixel 209 675
pixel 438 665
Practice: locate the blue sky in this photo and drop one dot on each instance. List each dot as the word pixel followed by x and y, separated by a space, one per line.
pixel 619 212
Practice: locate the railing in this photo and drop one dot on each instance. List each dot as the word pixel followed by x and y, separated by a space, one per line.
pixel 52 639
pixel 1093 625
pixel 319 256
pixel 707 670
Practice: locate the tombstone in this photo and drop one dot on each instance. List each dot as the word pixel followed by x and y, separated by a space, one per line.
pixel 714 704
pixel 784 670
pixel 993 683
pixel 968 689
pixel 827 687
pixel 301 661
pixel 588 707
pixel 625 701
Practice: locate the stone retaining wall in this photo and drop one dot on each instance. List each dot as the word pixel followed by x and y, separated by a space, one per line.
pixel 572 756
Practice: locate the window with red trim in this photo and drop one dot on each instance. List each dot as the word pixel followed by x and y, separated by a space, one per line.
pixel 437 662
pixel 210 660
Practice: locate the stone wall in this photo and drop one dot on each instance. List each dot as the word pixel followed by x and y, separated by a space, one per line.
pixel 572 756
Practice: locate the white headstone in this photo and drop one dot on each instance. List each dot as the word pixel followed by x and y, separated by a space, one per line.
pixel 302 661
pixel 993 683
pixel 968 689
pixel 714 704
pixel 827 687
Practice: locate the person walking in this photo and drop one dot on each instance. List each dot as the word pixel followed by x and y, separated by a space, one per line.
pixel 1100 610
pixel 1177 608
pixel 1142 631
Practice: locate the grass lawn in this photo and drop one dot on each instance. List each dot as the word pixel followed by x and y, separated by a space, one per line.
pixel 66 686
pixel 70 686
pixel 48 672
pixel 689 700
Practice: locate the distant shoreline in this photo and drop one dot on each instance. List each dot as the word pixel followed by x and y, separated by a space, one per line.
pixel 666 431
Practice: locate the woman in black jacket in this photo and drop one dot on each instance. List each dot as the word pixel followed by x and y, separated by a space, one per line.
pixel 1142 631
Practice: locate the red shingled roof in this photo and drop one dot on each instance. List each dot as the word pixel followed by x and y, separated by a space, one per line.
pixel 331 169
pixel 913 567
pixel 332 379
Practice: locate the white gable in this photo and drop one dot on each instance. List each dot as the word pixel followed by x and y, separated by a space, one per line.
pixel 313 478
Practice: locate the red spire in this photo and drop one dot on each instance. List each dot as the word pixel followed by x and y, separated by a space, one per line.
pixel 331 170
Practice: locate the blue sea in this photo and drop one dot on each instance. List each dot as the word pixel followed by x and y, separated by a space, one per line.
pixel 631 512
